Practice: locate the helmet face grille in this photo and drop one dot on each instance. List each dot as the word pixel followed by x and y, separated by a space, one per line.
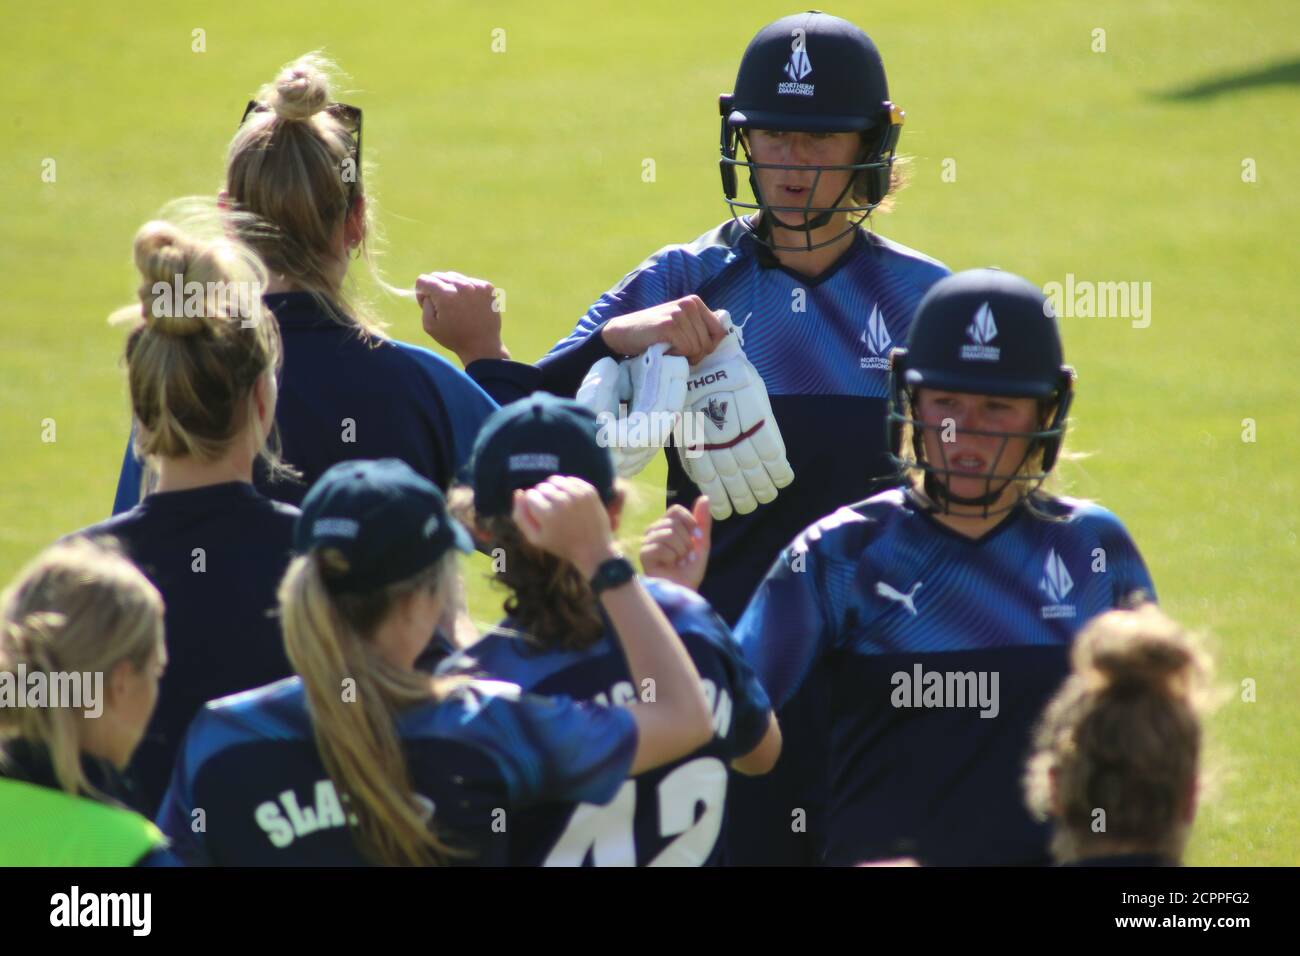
pixel 869 176
pixel 980 332
pixel 936 475
pixel 811 72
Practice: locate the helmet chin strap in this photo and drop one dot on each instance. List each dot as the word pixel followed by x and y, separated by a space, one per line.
pixel 939 493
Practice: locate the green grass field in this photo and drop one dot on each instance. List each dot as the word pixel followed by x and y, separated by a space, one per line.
pixel 525 167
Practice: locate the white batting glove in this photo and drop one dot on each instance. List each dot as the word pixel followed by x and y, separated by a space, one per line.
pixel 739 459
pixel 637 402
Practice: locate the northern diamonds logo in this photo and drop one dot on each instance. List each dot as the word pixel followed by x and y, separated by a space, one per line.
pixel 431 526
pixel 982 331
pixel 1056 583
pixel 717 411
pixel 798 67
pixel 876 338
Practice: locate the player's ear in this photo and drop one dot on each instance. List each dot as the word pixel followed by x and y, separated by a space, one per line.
pixel 354 227
pixel 615 509
pixel 262 396
pixel 118 682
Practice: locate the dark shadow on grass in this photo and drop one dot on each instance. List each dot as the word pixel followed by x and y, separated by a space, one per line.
pixel 1286 73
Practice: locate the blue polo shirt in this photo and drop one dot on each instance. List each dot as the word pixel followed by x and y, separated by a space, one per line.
pixel 343 397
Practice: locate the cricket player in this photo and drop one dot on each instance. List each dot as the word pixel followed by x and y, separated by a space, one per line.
pixel 363 758
pixel 1128 727
pixel 944 611
pixel 79 609
pixel 203 395
pixel 555 642
pixel 816 300
pixel 346 389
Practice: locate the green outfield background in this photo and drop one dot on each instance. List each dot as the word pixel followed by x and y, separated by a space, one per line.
pixel 525 167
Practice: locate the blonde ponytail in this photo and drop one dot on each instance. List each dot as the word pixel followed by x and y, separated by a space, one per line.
pixel 355 698
pixel 285 167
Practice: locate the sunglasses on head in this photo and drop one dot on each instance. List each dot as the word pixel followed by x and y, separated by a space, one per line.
pixel 348 116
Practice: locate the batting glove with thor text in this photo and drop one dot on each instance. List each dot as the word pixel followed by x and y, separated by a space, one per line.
pixel 737 456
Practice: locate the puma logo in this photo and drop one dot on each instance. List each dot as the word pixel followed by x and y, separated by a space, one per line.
pixel 886 591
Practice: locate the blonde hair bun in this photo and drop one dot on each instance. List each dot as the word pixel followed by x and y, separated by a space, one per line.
pixel 162 253
pixel 1141 652
pixel 301 90
pixel 204 337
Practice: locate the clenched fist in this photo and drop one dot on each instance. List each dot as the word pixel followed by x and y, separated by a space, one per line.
pixel 686 325
pixel 461 314
pixel 676 547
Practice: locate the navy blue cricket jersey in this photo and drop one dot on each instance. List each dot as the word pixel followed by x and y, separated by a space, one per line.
pixel 343 398
pixel 216 554
pixel 821 346
pixel 940 653
pixel 251 765
pixel 671 816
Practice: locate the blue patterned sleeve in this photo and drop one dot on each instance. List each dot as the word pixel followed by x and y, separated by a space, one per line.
pixel 752 710
pixel 1130 580
pixel 176 813
pixel 555 749
pixel 787 628
pixel 668 274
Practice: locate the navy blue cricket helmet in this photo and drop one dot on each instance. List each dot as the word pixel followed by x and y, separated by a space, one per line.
pixel 812 72
pixel 986 332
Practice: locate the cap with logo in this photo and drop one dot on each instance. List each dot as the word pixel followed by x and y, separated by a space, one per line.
pixel 984 331
pixel 526 442
pixel 388 522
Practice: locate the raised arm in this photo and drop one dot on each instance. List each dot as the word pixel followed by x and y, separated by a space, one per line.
pixel 566 517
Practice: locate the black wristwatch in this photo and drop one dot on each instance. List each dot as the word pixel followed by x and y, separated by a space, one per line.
pixel 611 573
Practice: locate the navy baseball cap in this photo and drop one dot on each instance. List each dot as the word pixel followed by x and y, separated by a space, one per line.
pixel 388 522
pixel 985 331
pixel 524 443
